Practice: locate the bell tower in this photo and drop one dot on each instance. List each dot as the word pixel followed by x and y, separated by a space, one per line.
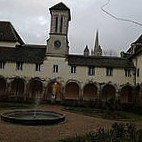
pixel 57 44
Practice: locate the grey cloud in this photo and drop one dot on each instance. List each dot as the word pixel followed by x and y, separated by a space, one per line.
pixel 31 18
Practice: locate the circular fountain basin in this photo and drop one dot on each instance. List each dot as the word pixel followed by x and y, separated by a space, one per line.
pixel 32 117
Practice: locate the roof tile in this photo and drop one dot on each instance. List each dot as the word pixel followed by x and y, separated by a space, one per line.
pixel 99 61
pixel 25 53
pixel 8 33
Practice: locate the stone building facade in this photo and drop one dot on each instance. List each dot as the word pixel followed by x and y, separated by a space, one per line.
pixel 29 71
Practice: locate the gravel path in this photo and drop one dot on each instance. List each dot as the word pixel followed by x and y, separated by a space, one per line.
pixel 75 124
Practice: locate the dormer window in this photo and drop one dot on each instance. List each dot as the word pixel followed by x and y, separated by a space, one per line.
pixel 91 70
pixel 55 68
pixel 109 71
pixel 38 67
pixel 2 64
pixel 128 72
pixel 19 65
pixel 73 69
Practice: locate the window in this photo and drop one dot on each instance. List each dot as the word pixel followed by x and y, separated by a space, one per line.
pixel 56 24
pixel 91 70
pixel 73 69
pixel 128 72
pixel 138 72
pixel 61 24
pixel 2 64
pixel 55 68
pixel 19 66
pixel 38 67
pixel 109 71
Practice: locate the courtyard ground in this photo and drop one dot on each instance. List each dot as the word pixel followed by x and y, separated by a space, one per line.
pixel 75 124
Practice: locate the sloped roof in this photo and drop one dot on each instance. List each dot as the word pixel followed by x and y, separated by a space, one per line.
pixel 99 61
pixel 137 51
pixel 61 6
pixel 139 40
pixel 8 33
pixel 137 45
pixel 25 53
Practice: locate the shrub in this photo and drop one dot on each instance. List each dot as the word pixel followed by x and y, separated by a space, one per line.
pixel 119 132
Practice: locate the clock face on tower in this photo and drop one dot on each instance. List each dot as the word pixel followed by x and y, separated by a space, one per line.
pixel 57 44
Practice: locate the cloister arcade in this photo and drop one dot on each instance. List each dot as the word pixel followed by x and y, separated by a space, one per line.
pixel 108 92
pixel 17 87
pixel 2 86
pixel 90 92
pixel 70 90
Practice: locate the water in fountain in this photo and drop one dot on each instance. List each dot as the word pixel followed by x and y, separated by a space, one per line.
pixel 36 102
pixel 53 96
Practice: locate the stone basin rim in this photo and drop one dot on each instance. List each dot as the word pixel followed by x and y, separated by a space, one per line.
pixel 8 116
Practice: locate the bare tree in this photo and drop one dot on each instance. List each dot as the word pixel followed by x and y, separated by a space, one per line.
pixel 110 52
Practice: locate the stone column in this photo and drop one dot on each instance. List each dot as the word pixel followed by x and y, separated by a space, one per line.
pixel 133 95
pixel 25 91
pixel 140 97
pixel 99 95
pixel 81 92
pixel 117 97
pixel 8 87
pixel 100 91
pixel 43 93
pixel 63 92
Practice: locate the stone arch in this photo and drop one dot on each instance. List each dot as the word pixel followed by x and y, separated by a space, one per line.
pixel 137 94
pixel 54 89
pixel 126 95
pixel 90 92
pixel 108 92
pixel 17 87
pixel 2 86
pixel 72 90
pixel 35 88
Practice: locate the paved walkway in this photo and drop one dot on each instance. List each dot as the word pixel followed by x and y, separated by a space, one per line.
pixel 75 124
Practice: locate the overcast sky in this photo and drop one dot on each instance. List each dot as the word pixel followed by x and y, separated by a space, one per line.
pixel 31 19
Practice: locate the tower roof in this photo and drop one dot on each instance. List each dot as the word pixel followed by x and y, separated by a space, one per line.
pixel 61 6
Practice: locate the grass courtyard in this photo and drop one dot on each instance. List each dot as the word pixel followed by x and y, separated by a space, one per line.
pixel 79 121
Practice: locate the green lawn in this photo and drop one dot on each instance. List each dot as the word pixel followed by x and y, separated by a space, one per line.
pixel 92 112
pixel 13 105
pixel 102 113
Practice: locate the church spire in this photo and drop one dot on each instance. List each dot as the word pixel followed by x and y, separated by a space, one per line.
pixel 97 40
pixel 97 47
